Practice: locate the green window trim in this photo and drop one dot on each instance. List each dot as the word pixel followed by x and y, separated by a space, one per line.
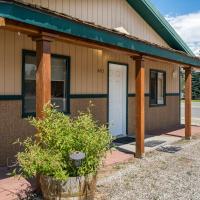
pixel 67 89
pixel 10 97
pixel 47 20
pixel 127 86
pixel 164 89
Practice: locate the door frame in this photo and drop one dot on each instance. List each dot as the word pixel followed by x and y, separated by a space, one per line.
pixel 127 69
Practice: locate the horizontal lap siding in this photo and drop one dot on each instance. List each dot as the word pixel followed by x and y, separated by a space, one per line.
pixel 107 13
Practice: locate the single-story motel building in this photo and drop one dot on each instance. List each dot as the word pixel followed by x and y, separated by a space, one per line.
pixel 120 54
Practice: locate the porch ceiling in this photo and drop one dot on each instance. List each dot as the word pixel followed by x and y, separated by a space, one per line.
pixel 34 19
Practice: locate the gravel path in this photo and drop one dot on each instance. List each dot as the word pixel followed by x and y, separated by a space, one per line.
pixel 159 176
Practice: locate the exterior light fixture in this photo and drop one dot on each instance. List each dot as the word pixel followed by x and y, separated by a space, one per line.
pixel 77 157
pixel 175 73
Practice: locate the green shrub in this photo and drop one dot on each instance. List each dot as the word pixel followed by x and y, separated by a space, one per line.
pixel 59 136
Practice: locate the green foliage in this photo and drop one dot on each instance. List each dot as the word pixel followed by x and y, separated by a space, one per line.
pixel 196 85
pixel 59 136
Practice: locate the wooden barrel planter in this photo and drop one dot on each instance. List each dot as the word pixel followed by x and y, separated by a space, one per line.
pixel 75 188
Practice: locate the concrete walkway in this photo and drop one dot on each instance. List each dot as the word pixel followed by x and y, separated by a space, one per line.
pixel 166 174
pixel 153 140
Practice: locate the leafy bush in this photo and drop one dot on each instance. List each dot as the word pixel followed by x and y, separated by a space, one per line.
pixel 59 136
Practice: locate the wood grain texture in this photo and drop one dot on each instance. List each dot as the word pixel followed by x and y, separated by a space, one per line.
pixel 140 106
pixel 43 75
pixel 188 102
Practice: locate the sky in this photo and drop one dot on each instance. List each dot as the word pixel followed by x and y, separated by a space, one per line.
pixel 184 16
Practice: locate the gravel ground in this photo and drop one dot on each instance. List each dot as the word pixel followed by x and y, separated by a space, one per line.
pixel 159 176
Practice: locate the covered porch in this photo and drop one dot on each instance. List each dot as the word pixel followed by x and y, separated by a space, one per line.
pixel 44 27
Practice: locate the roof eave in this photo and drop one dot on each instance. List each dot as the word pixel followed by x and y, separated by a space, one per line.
pixel 70 27
pixel 153 17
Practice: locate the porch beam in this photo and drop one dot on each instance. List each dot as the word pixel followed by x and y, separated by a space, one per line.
pixel 188 99
pixel 43 74
pixel 140 103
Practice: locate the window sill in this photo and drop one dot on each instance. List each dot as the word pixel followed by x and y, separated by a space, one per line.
pixel 26 115
pixel 157 105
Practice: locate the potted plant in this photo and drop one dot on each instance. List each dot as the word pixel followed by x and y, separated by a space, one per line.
pixel 51 157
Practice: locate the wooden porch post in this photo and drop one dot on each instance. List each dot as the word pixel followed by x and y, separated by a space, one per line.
pixel 188 99
pixel 43 74
pixel 140 103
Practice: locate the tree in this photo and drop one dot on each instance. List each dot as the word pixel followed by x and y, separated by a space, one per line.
pixel 195 85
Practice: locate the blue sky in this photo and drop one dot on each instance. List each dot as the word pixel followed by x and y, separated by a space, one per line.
pixel 177 7
pixel 184 16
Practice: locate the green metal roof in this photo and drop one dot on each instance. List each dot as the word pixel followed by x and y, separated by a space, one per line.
pixel 153 17
pixel 50 21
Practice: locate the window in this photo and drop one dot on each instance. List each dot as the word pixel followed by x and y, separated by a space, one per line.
pixel 157 87
pixel 59 82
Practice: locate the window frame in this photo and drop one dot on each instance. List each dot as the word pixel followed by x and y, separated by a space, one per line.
pixel 67 89
pixel 164 88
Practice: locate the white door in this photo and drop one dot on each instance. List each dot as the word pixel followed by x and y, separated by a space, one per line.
pixel 117 99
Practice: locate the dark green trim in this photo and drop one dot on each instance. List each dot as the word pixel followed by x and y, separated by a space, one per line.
pixel 33 53
pixel 173 94
pixel 153 17
pixel 25 53
pixel 131 95
pixel 179 96
pixel 88 96
pixel 127 70
pixel 164 88
pixel 26 115
pixel 10 97
pixel 68 82
pixel 147 94
pixel 50 21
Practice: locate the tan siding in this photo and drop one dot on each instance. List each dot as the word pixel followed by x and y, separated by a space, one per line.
pixel 2 62
pixel 12 127
pixel 88 66
pixel 9 63
pixel 107 13
pixel 172 83
pixel 18 63
pixel 160 119
pixel 99 108
pixel 163 117
pixel 85 79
